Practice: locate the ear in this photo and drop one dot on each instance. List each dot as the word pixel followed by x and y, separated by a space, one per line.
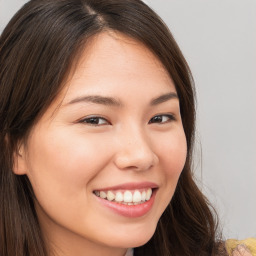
pixel 19 161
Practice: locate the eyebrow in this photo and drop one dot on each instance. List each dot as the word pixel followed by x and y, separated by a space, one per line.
pixel 163 98
pixel 109 101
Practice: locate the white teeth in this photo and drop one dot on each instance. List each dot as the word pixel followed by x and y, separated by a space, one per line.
pixel 128 196
pixel 136 196
pixel 143 196
pixel 149 193
pixel 103 194
pixel 110 196
pixel 119 197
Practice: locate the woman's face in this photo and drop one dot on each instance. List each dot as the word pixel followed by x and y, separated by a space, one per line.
pixel 112 137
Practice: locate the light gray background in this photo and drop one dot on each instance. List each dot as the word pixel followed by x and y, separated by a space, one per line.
pixel 218 39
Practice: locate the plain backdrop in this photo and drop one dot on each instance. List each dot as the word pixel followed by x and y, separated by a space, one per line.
pixel 218 39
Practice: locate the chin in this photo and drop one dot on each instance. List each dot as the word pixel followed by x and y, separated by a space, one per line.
pixel 134 238
pixel 140 241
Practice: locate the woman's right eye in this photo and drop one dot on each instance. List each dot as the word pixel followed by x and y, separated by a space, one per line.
pixel 94 121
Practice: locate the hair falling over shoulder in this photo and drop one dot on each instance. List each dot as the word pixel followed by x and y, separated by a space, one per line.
pixel 38 48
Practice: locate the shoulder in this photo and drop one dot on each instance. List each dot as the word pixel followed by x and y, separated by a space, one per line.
pixel 245 247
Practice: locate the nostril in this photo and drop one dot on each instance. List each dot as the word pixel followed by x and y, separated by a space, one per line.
pixel 134 164
pixel 139 168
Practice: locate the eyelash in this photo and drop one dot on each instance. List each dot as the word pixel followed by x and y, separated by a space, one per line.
pixel 169 117
pixel 94 120
pixel 91 121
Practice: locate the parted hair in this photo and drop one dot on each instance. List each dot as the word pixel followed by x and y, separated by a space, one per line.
pixel 38 49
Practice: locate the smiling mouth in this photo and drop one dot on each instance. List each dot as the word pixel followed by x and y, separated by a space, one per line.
pixel 126 197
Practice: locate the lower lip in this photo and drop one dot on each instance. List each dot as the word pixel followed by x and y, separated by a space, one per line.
pixel 131 211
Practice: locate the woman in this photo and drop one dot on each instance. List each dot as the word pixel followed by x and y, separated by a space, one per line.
pixel 96 132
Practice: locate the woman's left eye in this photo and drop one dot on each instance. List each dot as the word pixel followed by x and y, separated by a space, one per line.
pixel 161 119
pixel 94 120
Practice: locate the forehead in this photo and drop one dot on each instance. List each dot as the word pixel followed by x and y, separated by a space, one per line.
pixel 114 60
pixel 115 65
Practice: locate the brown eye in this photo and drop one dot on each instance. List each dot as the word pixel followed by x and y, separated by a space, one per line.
pixel 94 120
pixel 161 119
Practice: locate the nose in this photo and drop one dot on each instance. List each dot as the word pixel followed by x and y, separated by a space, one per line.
pixel 135 152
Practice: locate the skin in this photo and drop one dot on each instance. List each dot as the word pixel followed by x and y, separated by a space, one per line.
pixel 241 250
pixel 66 159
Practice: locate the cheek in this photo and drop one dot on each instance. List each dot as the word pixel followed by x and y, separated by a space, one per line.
pixel 61 168
pixel 173 153
pixel 64 162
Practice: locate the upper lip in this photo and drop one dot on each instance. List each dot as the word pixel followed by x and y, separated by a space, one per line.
pixel 130 186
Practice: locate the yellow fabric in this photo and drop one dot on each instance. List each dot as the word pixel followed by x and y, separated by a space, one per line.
pixel 231 244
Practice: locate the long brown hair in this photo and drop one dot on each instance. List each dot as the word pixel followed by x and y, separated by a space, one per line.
pixel 37 50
